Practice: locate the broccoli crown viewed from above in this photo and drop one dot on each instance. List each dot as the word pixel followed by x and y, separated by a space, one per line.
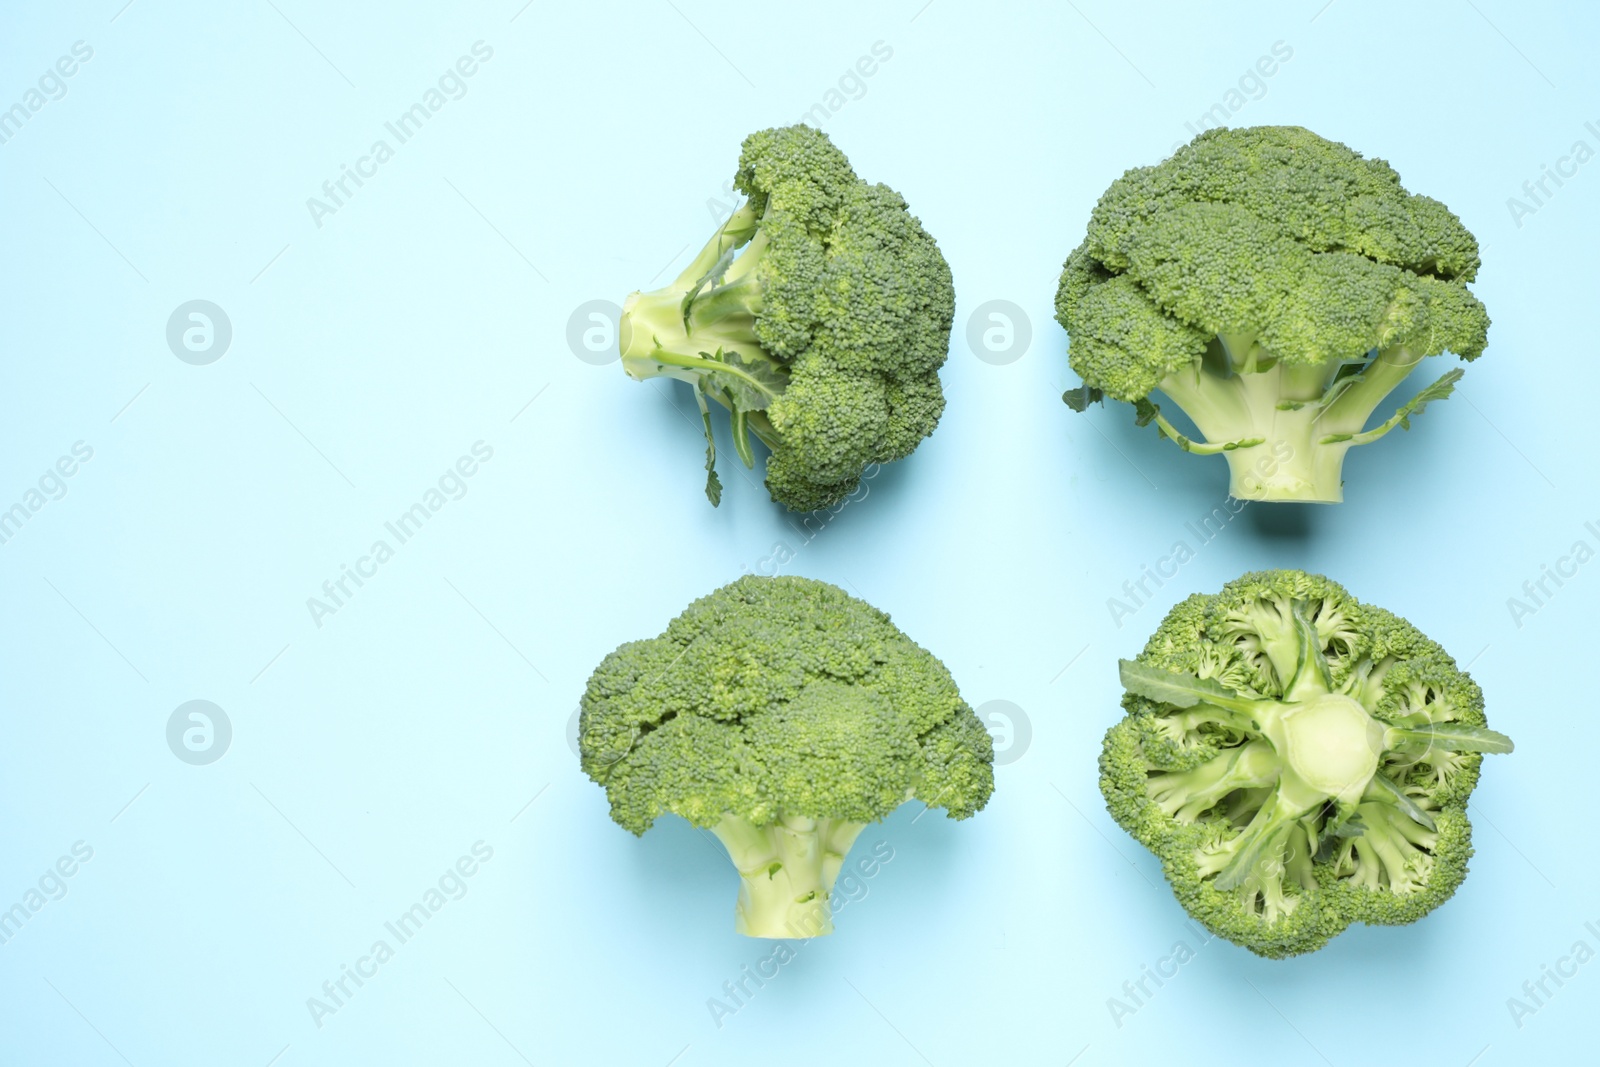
pixel 1276 287
pixel 1299 761
pixel 818 315
pixel 783 715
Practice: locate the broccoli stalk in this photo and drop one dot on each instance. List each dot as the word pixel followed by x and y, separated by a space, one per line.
pixel 786 872
pixel 700 329
pixel 1334 721
pixel 1285 428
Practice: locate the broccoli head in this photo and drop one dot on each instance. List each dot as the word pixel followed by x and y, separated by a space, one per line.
pixel 818 315
pixel 784 716
pixel 1276 287
pixel 1298 760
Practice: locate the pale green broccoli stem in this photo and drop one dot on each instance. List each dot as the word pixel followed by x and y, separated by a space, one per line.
pixel 701 329
pixel 1187 794
pixel 1285 428
pixel 739 228
pixel 786 872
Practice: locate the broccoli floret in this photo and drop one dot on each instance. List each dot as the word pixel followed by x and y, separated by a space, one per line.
pixel 1276 287
pixel 818 315
pixel 1298 760
pixel 784 716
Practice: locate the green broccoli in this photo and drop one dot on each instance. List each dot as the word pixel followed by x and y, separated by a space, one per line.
pixel 1298 760
pixel 823 337
pixel 1276 287
pixel 783 715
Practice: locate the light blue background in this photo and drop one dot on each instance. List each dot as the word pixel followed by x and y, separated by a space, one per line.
pixel 431 712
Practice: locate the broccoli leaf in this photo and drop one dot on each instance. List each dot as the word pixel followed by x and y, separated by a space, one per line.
pixel 1080 398
pixel 1449 736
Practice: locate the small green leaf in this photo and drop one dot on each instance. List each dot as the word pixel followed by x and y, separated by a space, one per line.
pixel 718 269
pixel 713 483
pixel 750 382
pixel 1311 674
pixel 1179 690
pixel 1450 737
pixel 1396 796
pixel 1080 398
pixel 741 437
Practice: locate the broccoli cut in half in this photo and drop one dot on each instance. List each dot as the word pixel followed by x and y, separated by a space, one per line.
pixel 1299 761
pixel 784 716
pixel 818 315
pixel 1276 287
